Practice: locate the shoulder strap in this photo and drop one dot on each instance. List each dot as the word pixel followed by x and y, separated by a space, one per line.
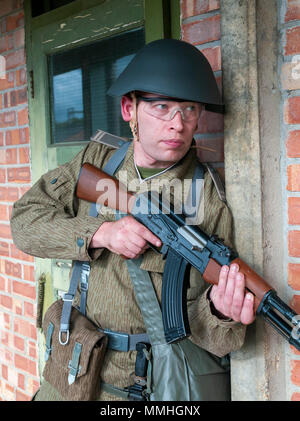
pixel 81 270
pixel 217 181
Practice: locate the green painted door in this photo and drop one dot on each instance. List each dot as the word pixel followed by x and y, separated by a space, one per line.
pixel 73 53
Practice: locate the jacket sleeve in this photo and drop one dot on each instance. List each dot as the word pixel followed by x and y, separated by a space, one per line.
pixel 45 222
pixel 217 336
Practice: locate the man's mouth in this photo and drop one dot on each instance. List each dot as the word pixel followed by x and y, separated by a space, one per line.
pixel 173 142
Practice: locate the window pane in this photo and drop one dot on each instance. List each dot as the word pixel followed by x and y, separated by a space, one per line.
pixel 68 106
pixel 79 80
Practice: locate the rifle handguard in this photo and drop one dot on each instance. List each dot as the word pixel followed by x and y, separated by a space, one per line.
pixel 96 186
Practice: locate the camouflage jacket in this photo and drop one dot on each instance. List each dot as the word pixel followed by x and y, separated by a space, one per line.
pixel 50 206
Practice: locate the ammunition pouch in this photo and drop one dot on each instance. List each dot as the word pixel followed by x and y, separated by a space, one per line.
pixel 73 368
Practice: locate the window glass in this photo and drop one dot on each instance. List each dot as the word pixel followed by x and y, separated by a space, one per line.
pixel 79 80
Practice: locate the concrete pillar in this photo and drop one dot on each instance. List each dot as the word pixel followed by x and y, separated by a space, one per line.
pixel 252 169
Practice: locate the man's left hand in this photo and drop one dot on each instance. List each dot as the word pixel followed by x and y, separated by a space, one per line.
pixel 230 298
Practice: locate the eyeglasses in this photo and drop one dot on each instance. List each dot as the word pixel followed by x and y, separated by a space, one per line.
pixel 166 108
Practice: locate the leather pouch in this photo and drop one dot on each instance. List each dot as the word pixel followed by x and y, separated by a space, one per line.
pixel 73 369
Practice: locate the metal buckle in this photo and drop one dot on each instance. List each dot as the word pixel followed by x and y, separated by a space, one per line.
pixel 117 341
pixel 67 332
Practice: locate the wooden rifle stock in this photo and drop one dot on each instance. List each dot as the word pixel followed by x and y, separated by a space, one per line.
pixel 96 186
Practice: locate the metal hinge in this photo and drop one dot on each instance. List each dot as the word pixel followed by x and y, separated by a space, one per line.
pixel 31 83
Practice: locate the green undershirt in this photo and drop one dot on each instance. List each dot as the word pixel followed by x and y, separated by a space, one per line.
pixel 148 172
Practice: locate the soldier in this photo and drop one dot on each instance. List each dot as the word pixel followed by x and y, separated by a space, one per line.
pixel 164 90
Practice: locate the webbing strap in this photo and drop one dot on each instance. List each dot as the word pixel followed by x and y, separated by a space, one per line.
pixel 50 331
pixel 81 270
pixel 147 300
pixel 74 363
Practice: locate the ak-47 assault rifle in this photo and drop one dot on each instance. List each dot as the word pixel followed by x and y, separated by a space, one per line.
pixel 185 245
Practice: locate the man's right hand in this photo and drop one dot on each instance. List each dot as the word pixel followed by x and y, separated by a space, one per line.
pixel 126 237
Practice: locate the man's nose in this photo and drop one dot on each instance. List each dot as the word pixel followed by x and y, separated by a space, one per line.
pixel 178 120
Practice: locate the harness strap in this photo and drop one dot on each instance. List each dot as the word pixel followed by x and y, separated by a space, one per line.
pixel 81 270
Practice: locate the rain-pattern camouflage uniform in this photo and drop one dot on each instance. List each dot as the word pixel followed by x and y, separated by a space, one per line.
pixel 48 221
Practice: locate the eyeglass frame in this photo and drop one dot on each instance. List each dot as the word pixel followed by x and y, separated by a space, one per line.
pixel 177 109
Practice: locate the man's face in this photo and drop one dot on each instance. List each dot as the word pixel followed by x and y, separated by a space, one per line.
pixel 163 142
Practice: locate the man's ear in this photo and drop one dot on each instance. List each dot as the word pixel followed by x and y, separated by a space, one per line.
pixel 126 108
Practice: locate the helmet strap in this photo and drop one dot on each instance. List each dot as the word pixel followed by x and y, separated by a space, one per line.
pixel 133 122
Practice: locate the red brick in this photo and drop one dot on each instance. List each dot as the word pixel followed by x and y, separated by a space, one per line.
pixel 25 364
pixel 5 372
pixel 292 41
pixel 196 7
pixel 292 110
pixel 10 194
pixel 5 231
pixel 19 175
pixel 23 117
pixel 293 144
pixel 17 136
pixel 202 31
pixel 293 173
pixel 18 254
pixel 14 21
pixel 11 269
pixel 8 82
pixel 294 243
pixel 295 372
pixel 24 155
pixel 210 123
pixel 22 396
pixel 8 392
pixel 2 178
pixel 294 276
pixel 29 310
pixel 24 290
pixel 294 210
pixel 6 43
pixel 32 351
pixel 295 397
pixel 6 301
pixel 292 10
pixel 28 273
pixel 4 249
pixel 8 156
pixel 10 99
pixel 21 78
pixel 295 303
pixel 8 118
pixel 19 38
pixel 15 59
pixel 33 385
pixel 6 7
pixel 3 213
pixel 21 381
pixel 19 343
pixel 213 55
pixel 25 328
pixel 22 96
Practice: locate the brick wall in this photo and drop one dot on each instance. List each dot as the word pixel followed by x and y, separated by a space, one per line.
pixel 201 27
pixel 290 90
pixel 18 347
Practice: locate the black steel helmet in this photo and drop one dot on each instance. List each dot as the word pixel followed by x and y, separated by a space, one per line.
pixel 173 68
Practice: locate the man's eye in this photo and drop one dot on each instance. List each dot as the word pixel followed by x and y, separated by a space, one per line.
pixel 191 108
pixel 161 107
